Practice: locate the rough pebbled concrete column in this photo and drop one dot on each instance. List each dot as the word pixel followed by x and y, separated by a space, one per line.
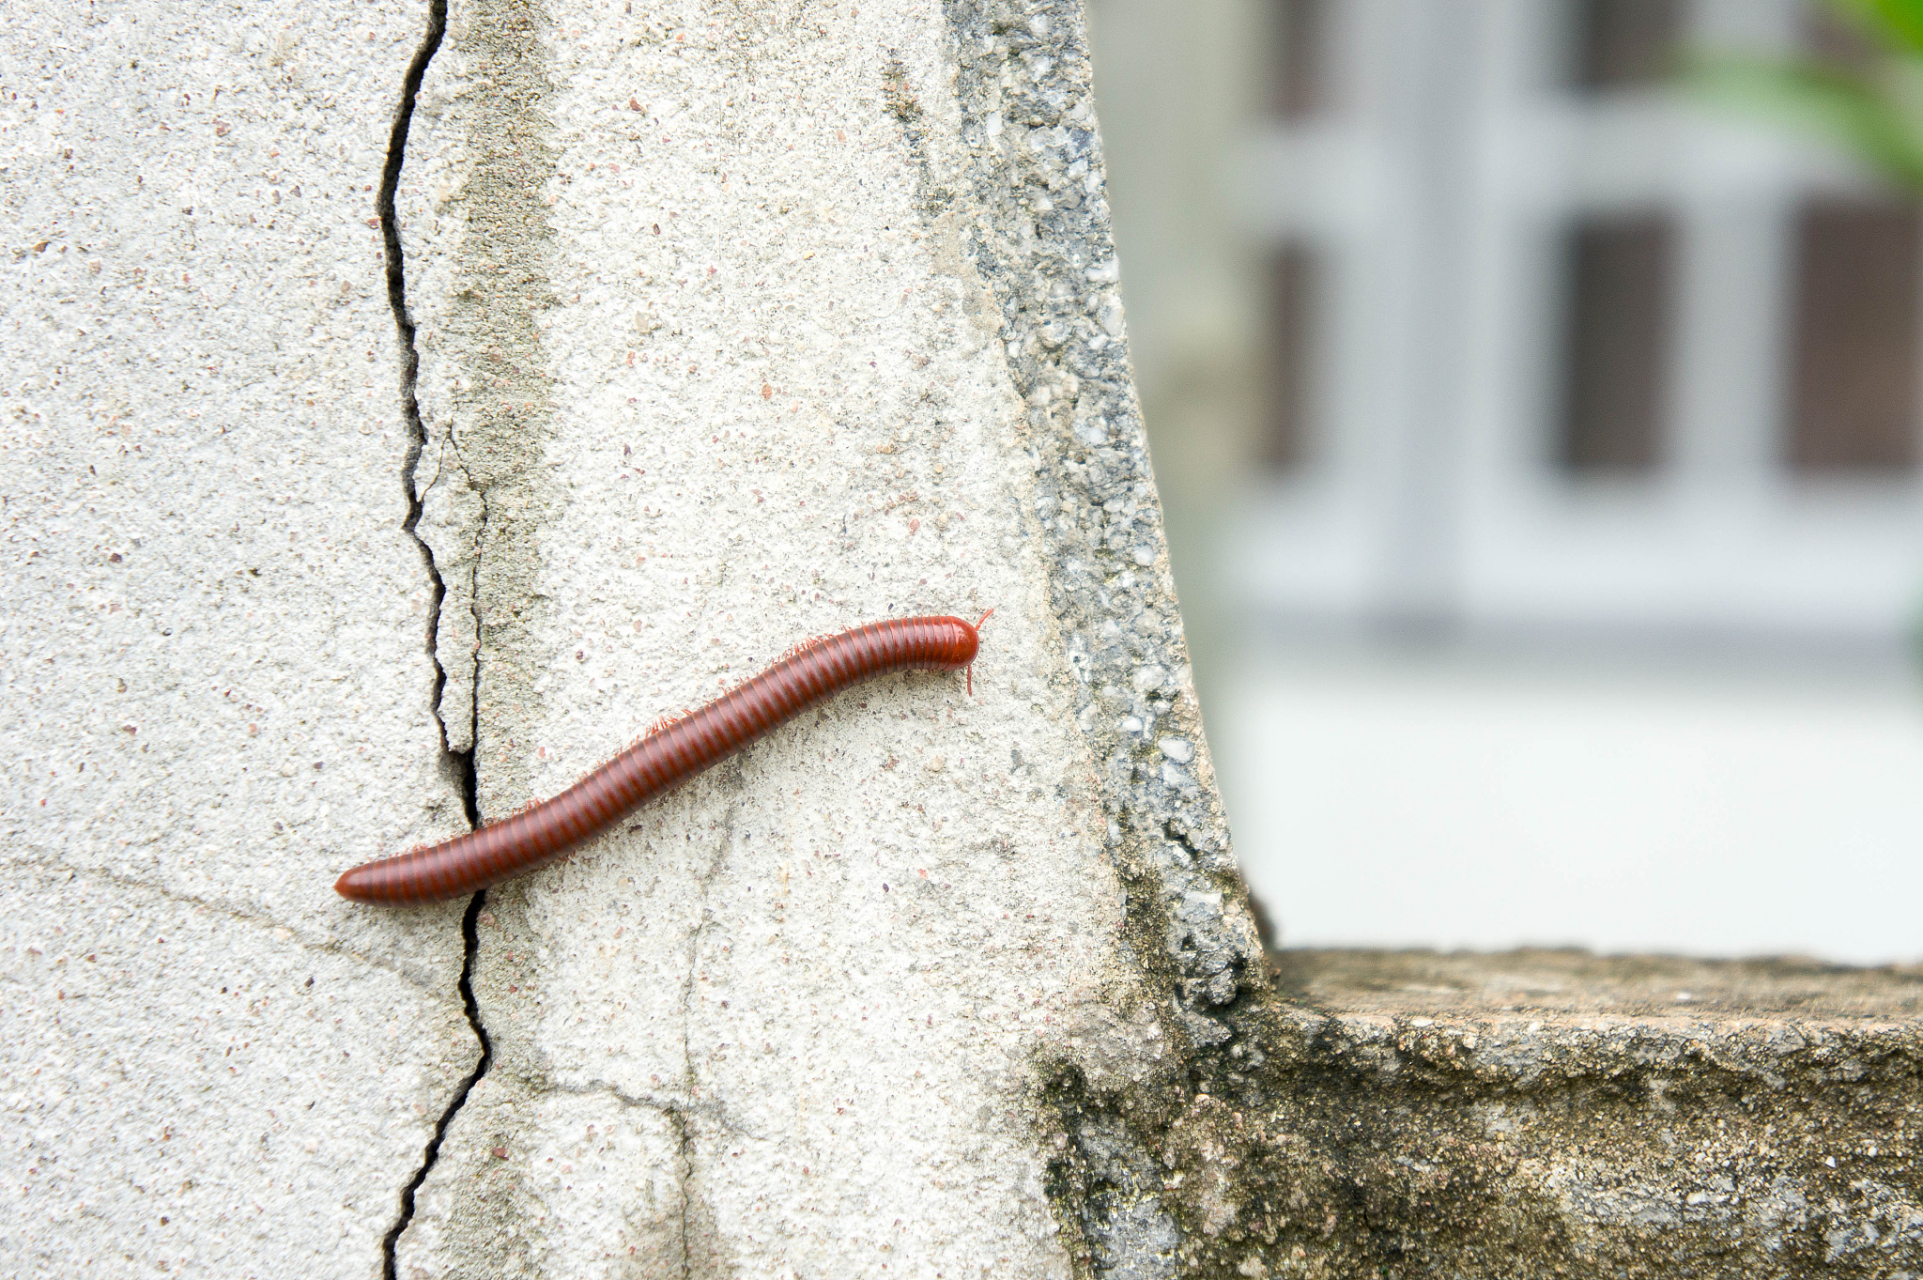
pixel 739 324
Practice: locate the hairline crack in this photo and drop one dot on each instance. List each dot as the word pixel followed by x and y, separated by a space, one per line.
pixel 458 765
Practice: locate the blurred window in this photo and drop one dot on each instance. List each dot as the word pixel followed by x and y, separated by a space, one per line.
pixel 1836 41
pixel 1302 81
pixel 1295 305
pixel 1617 274
pixel 1855 398
pixel 1624 43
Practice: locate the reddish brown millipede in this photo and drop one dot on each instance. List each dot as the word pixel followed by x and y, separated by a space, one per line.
pixel 671 753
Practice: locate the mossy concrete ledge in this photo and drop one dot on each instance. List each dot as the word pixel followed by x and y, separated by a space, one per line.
pixel 1559 1114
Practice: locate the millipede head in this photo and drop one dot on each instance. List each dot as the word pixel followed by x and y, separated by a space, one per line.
pixel 971 666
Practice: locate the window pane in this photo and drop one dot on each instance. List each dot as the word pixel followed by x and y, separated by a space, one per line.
pixel 1616 353
pixel 1855 403
pixel 1295 289
pixel 1301 86
pixel 1620 43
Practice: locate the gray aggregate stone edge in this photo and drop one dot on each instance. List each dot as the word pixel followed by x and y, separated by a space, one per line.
pixel 1043 243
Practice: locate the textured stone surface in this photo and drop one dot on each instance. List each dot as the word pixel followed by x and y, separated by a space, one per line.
pixel 725 325
pixel 217 692
pixel 1554 1113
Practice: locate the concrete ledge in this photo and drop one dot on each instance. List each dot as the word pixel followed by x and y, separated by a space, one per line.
pixel 1556 1113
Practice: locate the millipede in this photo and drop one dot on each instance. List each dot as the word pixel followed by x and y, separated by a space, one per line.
pixel 674 751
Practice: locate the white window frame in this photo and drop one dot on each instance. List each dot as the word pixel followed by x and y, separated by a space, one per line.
pixel 1436 197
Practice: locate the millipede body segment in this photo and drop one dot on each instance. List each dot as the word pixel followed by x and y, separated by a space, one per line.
pixel 667 756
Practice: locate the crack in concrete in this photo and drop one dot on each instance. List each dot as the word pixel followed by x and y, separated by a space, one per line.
pixel 668 1104
pixel 474 609
pixel 452 462
pixel 704 880
pixel 685 1162
pixel 470 935
pixel 307 942
pixel 492 544
pixel 459 765
pixel 461 771
pixel 679 1116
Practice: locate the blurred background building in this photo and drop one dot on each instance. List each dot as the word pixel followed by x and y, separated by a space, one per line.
pixel 1540 446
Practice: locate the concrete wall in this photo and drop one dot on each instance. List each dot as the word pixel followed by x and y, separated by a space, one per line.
pixel 719 326
pixel 1553 1113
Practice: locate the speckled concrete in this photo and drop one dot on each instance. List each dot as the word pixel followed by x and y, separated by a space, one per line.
pixel 217 690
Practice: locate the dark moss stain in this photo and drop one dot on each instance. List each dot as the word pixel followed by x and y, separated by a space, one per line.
pixel 899 98
pixel 1385 1148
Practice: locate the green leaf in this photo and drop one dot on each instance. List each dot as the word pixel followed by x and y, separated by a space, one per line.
pixel 1859 113
pixel 1900 22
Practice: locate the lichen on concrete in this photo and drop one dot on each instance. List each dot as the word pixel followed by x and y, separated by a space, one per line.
pixel 1538 1114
